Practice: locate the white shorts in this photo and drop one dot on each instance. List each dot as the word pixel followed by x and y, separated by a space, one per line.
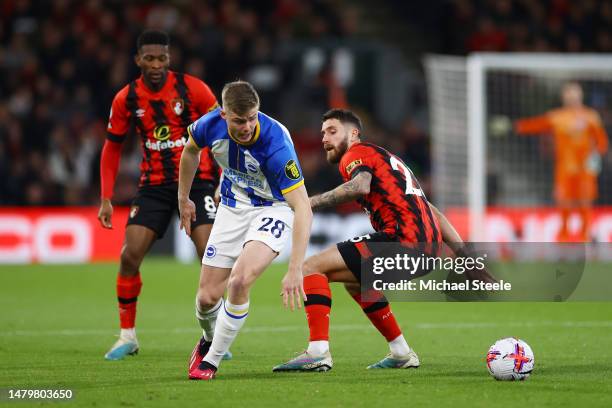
pixel 234 227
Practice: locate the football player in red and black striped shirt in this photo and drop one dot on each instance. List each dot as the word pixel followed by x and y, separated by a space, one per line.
pixel 157 108
pixel 399 212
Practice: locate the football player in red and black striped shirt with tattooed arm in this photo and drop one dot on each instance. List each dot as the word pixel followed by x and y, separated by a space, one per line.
pixel 399 212
pixel 156 108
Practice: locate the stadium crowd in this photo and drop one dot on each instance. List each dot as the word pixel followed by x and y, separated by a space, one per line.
pixel 528 26
pixel 62 61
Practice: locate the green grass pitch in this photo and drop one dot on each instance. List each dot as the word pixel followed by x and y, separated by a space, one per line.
pixel 58 321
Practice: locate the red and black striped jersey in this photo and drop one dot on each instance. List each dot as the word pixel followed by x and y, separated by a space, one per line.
pixel 160 119
pixel 396 204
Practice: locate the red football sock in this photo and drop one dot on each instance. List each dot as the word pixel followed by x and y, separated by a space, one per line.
pixel 380 314
pixel 128 289
pixel 317 306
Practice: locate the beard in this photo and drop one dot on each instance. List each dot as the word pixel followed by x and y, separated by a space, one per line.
pixel 334 155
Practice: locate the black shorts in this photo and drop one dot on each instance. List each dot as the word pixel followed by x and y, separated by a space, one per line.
pixel 358 254
pixel 154 206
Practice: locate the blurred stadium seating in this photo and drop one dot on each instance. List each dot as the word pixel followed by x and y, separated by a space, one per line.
pixel 62 61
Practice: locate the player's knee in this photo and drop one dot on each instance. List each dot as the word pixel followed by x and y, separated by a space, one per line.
pixel 130 261
pixel 240 282
pixel 207 300
pixel 310 266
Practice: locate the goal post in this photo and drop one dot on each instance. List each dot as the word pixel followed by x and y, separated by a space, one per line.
pixel 476 100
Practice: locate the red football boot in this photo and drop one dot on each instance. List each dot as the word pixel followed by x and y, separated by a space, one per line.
pixel 205 372
pixel 198 353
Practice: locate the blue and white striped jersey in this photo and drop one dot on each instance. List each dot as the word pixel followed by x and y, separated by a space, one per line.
pixel 256 174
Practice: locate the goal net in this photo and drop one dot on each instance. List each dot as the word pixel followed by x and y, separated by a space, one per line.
pixel 478 161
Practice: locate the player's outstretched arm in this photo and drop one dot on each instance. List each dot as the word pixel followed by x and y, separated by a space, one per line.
pixel 449 234
pixel 292 284
pixel 534 125
pixel 351 190
pixel 190 159
pixel 452 238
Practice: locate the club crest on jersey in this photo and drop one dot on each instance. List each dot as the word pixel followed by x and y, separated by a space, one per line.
pixel 251 167
pixel 211 251
pixel 178 106
pixel 134 211
pixel 161 132
pixel 250 163
pixel 291 170
pixel 352 165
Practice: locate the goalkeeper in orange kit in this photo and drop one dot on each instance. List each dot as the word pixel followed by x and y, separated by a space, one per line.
pixel 579 140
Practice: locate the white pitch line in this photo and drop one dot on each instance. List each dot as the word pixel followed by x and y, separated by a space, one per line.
pixel 480 325
pixel 337 327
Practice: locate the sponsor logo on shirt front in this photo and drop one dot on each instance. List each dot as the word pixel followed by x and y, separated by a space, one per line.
pixel 243 179
pixel 161 132
pixel 168 144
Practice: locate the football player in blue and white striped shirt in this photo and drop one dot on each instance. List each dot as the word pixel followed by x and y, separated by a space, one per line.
pixel 263 203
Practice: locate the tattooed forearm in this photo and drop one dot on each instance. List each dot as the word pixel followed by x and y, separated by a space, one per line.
pixel 341 194
pixel 349 191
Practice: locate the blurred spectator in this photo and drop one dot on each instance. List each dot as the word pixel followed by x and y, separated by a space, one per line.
pixel 62 61
pixel 487 37
pixel 525 25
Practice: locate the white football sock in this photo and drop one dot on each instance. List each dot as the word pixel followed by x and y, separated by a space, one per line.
pixel 208 318
pixel 230 321
pixel 317 348
pixel 399 347
pixel 128 334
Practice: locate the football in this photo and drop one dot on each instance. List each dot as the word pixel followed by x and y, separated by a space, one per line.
pixel 510 359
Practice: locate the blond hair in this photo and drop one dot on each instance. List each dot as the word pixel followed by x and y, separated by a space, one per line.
pixel 239 97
